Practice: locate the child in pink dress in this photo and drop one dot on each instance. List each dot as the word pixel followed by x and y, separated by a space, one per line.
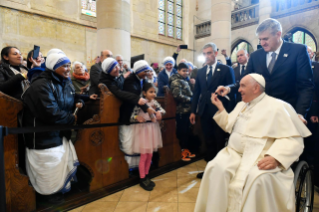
pixel 147 137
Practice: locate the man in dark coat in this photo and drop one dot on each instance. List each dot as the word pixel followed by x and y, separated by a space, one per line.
pixel 311 143
pixel 242 59
pixel 208 79
pixel 285 66
pixel 96 71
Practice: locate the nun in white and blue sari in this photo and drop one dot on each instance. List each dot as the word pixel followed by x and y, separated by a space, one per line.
pixel 51 160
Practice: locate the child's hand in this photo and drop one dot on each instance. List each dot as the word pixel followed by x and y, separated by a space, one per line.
pixel 140 119
pixel 158 116
pixel 153 118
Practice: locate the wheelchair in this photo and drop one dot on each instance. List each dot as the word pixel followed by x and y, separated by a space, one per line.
pixel 304 186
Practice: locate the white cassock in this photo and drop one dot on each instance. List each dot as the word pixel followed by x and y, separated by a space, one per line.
pixel 232 181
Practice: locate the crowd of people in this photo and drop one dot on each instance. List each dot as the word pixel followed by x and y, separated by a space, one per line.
pixel 265 136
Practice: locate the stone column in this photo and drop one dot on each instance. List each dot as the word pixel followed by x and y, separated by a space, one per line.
pixel 221 25
pixel 114 27
pixel 265 9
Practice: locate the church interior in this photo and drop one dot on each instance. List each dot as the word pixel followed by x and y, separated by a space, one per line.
pixel 151 30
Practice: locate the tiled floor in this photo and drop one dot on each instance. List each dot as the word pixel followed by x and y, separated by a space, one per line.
pixel 175 191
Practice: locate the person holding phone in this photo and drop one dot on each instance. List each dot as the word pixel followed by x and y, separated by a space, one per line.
pixel 35 63
pixel 13 75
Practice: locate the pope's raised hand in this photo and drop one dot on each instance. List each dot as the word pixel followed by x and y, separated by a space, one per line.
pixel 267 163
pixel 222 90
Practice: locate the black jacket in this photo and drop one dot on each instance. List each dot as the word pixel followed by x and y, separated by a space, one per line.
pixel 223 75
pixel 10 83
pixel 132 85
pixel 315 104
pixel 116 87
pixel 291 79
pixel 50 100
pixel 95 73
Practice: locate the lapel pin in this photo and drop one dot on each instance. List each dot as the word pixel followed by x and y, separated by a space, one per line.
pixel 218 69
pixel 285 55
pixel 312 66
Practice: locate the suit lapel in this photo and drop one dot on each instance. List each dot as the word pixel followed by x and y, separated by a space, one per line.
pixel 203 76
pixel 215 76
pixel 282 57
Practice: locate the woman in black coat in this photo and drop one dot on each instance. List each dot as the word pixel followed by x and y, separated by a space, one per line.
pixel 51 160
pixel 13 75
pixel 111 77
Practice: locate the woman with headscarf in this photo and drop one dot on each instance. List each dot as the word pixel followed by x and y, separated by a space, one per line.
pixel 13 75
pixel 114 81
pixel 51 160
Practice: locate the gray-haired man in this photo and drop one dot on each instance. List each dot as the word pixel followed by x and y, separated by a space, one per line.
pixel 208 79
pixel 285 66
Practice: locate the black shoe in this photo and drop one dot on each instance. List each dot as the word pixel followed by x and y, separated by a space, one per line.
pixel 200 175
pixel 56 198
pixel 150 181
pixel 145 184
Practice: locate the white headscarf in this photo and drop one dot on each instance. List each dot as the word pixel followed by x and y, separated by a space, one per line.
pixel 55 51
pixel 141 66
pixel 54 61
pixel 108 65
pixel 169 60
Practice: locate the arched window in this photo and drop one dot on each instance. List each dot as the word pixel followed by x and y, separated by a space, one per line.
pixel 303 37
pixel 170 18
pixel 89 7
pixel 241 45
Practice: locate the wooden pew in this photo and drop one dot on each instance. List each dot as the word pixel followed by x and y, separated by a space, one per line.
pixel 20 196
pixel 98 149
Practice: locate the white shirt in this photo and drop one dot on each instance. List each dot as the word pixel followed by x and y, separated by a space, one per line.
pixel 268 57
pixel 168 73
pixel 213 68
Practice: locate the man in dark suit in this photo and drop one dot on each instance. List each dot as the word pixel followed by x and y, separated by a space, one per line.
pixel 208 79
pixel 285 66
pixel 96 71
pixel 163 76
pixel 242 59
pixel 311 143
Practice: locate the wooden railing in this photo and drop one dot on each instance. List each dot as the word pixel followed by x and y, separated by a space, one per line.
pixel 245 16
pixel 203 30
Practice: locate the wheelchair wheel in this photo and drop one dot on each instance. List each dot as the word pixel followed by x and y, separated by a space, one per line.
pixel 304 188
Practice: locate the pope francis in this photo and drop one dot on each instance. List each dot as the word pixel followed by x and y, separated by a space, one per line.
pixel 253 172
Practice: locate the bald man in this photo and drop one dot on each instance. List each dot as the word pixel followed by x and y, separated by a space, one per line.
pixel 96 71
pixel 242 59
pixel 252 173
